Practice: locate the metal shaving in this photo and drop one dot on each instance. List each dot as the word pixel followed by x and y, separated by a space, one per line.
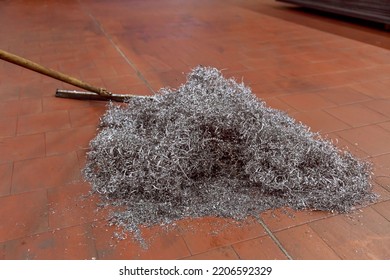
pixel 211 148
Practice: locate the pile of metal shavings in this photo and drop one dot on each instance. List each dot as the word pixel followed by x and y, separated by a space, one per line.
pixel 211 148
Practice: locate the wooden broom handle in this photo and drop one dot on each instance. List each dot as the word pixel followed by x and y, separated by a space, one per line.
pixel 51 73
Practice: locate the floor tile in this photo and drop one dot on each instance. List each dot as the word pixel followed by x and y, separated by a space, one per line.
pixel 2 251
pixel 23 214
pixel 302 243
pixel 320 121
pixel 284 218
pixel 22 147
pixel 276 103
pixel 344 145
pixel 35 91
pixel 30 106
pixel 343 95
pixel 43 122
pixel 68 140
pixel 72 205
pixel 373 89
pixel 9 109
pixel 357 115
pixel 383 181
pixel 306 101
pixel 10 92
pixel 73 243
pixel 383 208
pixel 7 127
pixel 382 191
pixel 372 139
pixel 5 178
pixel 362 235
pixel 382 170
pixel 86 116
pixel 206 233
pixel 381 106
pixel 381 164
pixel 222 253
pixel 160 244
pixel 51 103
pixel 21 107
pixel 262 248
pixel 385 125
pixel 59 170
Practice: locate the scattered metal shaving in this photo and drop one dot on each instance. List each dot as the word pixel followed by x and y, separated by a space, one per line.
pixel 211 148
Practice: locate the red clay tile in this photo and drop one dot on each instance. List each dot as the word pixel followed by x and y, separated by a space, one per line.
pixel 385 125
pixel 302 69
pixel 382 170
pixel 277 103
pixel 372 139
pixel 361 235
pixel 381 106
pixel 320 121
pixel 5 178
pixel 369 75
pixel 72 205
pixel 373 89
pixel 72 243
pixel 344 145
pixel 302 243
pixel 30 106
pixel 22 147
pixel 9 109
pixel 156 63
pixel 121 84
pixel 140 89
pixel 383 181
pixel 82 157
pixel 306 101
pixel 262 248
pixel 68 140
pixel 2 251
pixel 356 115
pixel 284 218
pixel 383 208
pixel 52 103
pixel 222 253
pixel 299 85
pixel 23 214
pixel 7 127
pixel 381 164
pixel 43 122
pixel 258 76
pixel 35 91
pixel 266 90
pixel 204 234
pixel 86 116
pixel 383 192
pixel 343 95
pixel 45 172
pixel 9 92
pixel 161 244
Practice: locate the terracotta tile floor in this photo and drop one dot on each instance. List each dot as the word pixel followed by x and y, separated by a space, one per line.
pixel 332 73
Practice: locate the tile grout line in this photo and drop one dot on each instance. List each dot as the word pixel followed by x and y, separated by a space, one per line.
pixel 373 208
pixel 122 54
pixel 273 237
pixel 324 240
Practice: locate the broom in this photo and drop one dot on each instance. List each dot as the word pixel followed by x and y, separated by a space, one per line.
pixel 93 93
